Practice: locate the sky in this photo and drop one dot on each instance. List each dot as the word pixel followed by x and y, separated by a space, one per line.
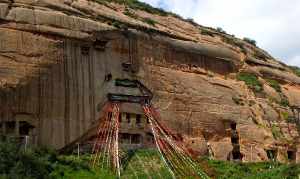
pixel 274 24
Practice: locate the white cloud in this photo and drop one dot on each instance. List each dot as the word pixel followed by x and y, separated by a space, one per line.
pixel 272 23
pixel 295 61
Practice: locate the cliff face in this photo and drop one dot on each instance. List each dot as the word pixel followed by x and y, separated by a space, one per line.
pixel 57 58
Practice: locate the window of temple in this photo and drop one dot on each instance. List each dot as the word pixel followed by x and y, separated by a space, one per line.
pixel 100 44
pixel 272 154
pixel 138 119
pixel 120 118
pixel 125 138
pixel 128 117
pixel 291 155
pixel 135 138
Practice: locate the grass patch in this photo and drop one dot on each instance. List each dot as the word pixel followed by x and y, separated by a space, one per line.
pixel 149 21
pixel 285 115
pixel 47 164
pixel 207 32
pixel 277 134
pixel 275 85
pixel 263 170
pixel 119 25
pixel 284 102
pixel 251 81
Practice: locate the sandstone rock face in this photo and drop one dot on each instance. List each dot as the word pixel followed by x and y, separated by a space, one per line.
pixel 56 72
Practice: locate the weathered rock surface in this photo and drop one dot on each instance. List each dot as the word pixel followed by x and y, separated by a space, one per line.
pixel 52 71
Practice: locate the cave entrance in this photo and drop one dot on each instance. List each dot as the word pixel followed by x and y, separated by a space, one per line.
pixel 291 154
pixel 272 154
pixel 235 141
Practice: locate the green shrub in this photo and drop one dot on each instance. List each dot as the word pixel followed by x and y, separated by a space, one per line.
pixel 234 42
pixel 135 4
pixel 274 84
pixel 276 132
pixel 207 32
pixel 285 115
pixel 220 30
pixel 296 70
pixel 260 55
pixel 127 12
pixel 251 81
pixel 149 21
pixel 250 41
pixel 284 102
pixel 17 163
pixel 119 25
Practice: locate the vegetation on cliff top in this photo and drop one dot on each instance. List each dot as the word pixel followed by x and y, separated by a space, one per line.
pixel 135 4
pixel 44 163
pixel 296 70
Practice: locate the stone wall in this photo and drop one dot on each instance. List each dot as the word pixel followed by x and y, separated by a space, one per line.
pixel 66 86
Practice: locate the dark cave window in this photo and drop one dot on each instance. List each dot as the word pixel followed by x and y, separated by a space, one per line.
pixel 148 120
pixel 120 117
pixel 85 50
pixel 108 77
pixel 234 140
pixel 233 126
pixel 124 138
pixel 138 119
pixel 272 154
pixel 100 45
pixel 128 117
pixel 25 128
pixel 127 66
pixel 236 155
pixel 135 138
pixel 291 155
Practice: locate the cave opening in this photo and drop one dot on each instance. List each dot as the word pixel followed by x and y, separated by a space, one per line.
pixel 138 119
pixel 272 154
pixel 25 128
pixel 291 155
pixel 85 50
pixel 128 118
pixel 233 126
pixel 236 155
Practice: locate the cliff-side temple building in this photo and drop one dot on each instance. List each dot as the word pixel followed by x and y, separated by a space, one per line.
pixel 61 61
